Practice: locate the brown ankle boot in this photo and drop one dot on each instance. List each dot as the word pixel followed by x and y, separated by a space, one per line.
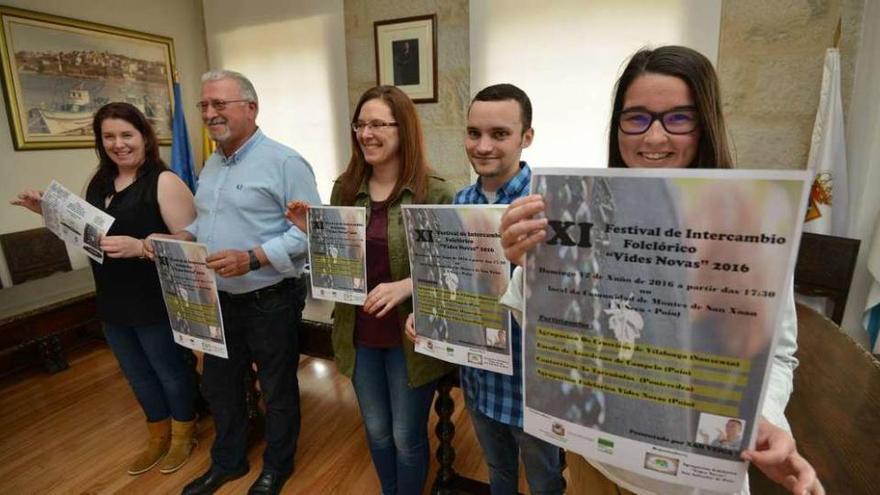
pixel 182 442
pixel 160 437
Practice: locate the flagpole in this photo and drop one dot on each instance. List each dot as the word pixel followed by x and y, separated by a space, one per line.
pixel 837 32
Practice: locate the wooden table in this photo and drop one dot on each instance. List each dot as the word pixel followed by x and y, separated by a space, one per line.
pixel 38 314
pixel 835 409
pixel 317 327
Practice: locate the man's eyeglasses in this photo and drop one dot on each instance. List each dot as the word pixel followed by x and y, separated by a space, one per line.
pixel 681 120
pixel 373 125
pixel 217 104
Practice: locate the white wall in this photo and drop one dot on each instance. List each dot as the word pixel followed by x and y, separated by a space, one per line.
pixel 566 55
pixel 863 158
pixel 294 53
pixel 177 19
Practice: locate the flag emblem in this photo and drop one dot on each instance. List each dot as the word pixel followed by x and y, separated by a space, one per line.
pixel 821 194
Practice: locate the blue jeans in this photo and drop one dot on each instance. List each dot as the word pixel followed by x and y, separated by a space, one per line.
pixel 263 327
pixel 156 369
pixel 395 417
pixel 501 443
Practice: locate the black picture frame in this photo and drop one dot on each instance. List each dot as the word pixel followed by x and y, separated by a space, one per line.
pixel 406 55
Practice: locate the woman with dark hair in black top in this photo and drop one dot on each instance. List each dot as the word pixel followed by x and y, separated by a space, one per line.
pixel 133 185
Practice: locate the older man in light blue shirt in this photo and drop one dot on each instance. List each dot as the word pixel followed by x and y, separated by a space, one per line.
pixel 239 200
pixel 259 257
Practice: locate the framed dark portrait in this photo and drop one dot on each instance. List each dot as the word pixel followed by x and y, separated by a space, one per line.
pixel 406 56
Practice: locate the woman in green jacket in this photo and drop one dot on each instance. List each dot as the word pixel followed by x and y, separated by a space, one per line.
pixel 394 385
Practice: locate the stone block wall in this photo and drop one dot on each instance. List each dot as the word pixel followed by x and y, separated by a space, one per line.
pixel 443 122
pixel 770 63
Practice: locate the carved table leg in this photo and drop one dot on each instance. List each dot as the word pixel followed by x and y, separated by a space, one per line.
pixel 445 430
pixel 255 415
pixel 52 354
pixel 201 404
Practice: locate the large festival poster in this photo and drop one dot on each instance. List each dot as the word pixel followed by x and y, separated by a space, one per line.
pixel 651 310
pixel 337 253
pixel 190 291
pixel 459 273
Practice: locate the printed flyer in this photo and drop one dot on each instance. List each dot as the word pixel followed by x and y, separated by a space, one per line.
pixel 190 292
pixel 651 311
pixel 74 220
pixel 459 274
pixel 337 253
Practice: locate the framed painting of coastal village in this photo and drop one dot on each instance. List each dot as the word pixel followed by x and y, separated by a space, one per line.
pixel 58 71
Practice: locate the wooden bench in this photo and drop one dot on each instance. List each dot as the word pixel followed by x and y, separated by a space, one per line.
pixel 48 304
pixel 39 318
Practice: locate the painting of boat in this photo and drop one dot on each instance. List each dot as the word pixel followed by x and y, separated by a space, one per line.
pixel 71 118
pixel 62 71
pixel 67 123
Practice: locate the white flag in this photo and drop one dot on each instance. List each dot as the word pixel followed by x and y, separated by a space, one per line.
pixel 827 212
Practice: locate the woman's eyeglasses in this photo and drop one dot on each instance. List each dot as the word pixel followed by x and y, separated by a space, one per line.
pixel 373 125
pixel 681 120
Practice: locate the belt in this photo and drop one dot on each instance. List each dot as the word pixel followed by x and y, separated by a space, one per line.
pixel 264 292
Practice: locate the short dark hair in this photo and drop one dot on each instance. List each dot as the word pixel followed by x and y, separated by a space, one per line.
pixel 697 72
pixel 506 91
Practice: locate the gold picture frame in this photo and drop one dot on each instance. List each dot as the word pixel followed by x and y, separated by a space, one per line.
pixel 58 71
pixel 406 55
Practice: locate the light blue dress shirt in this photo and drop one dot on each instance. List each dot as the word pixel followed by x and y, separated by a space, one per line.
pixel 241 202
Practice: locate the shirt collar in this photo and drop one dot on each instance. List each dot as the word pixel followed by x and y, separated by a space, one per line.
pixel 364 190
pixel 242 150
pixel 514 187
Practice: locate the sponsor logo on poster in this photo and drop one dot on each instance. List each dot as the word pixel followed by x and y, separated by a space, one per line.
pixel 606 446
pixel 661 464
pixel 558 429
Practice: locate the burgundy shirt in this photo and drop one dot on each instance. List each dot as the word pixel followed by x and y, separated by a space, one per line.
pixel 370 331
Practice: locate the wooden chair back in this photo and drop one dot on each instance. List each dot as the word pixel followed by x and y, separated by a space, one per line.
pixel 825 267
pixel 34 253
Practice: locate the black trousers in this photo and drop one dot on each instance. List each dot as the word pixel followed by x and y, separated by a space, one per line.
pixel 263 327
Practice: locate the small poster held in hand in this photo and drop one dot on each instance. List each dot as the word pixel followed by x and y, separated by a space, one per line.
pixel 190 291
pixel 338 253
pixel 74 220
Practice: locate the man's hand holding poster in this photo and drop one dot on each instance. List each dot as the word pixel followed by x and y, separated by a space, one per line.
pixel 337 253
pixel 191 298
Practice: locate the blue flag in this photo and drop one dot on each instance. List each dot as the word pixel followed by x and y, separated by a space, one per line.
pixel 872 323
pixel 181 153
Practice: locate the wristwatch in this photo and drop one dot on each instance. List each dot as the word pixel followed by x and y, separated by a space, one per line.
pixel 254 262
